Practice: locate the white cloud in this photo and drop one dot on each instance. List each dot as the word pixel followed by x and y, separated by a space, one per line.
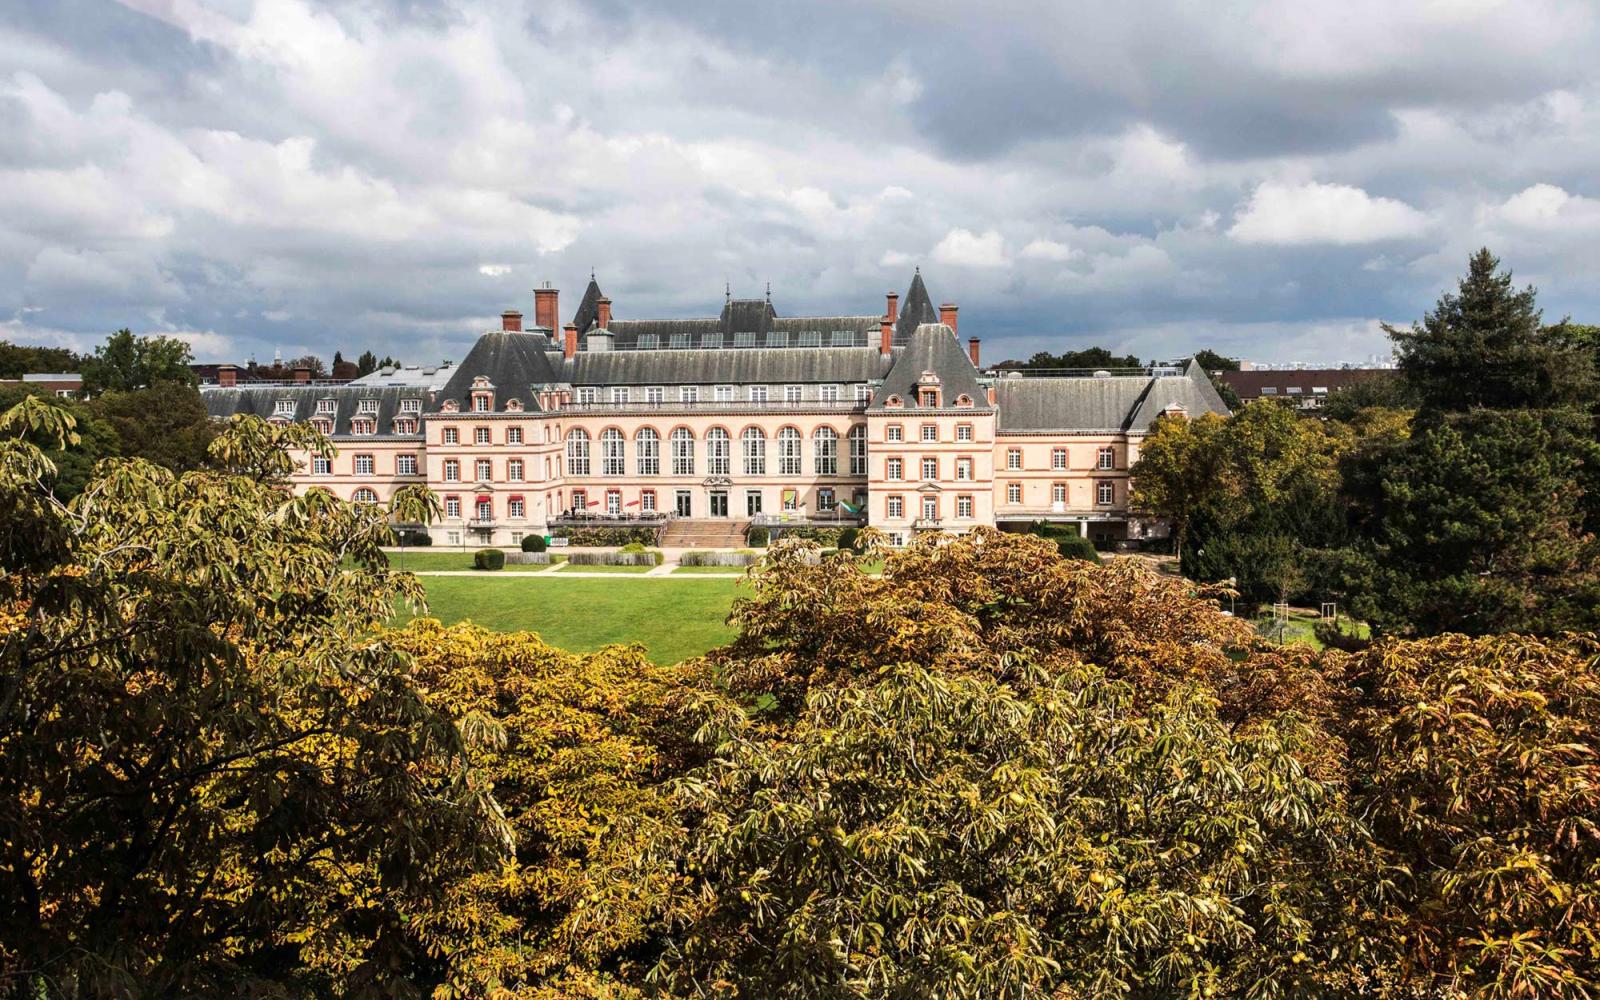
pixel 1301 214
pixel 494 270
pixel 1042 249
pixel 964 248
pixel 1548 208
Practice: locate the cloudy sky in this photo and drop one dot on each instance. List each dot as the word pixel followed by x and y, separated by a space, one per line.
pixel 1269 179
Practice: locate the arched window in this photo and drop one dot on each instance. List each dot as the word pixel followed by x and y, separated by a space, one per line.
pixel 364 495
pixel 789 452
pixel 825 451
pixel 755 451
pixel 683 451
pixel 719 452
pixel 647 449
pixel 613 451
pixel 858 450
pixel 578 452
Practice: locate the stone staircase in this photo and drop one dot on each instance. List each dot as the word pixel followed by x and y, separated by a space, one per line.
pixel 695 533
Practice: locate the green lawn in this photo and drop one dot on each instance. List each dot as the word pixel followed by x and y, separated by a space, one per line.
pixel 1299 628
pixel 575 568
pixel 674 619
pixel 709 570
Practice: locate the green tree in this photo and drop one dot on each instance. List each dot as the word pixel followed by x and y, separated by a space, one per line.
pixel 1213 363
pixel 1183 471
pixel 366 364
pixel 17 360
pixel 166 424
pixel 126 362
pixel 248 793
pixel 70 469
pixel 1089 357
pixel 1485 346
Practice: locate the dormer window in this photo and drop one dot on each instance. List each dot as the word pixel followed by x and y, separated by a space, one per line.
pixel 893 402
pixel 323 425
pixel 405 425
pixel 964 401
pixel 928 398
pixel 514 406
pixel 363 425
pixel 367 406
pixel 328 406
pixel 482 395
pixel 283 408
pixel 411 406
pixel 450 406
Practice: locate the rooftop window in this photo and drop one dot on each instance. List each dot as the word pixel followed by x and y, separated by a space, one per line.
pixel 843 338
pixel 777 338
pixel 744 338
pixel 647 342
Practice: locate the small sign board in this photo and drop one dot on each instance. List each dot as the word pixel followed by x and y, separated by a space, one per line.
pixel 556 541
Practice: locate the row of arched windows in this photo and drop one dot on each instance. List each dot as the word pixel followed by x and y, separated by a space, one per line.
pixel 612 452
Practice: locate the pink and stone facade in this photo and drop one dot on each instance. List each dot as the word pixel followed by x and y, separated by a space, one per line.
pixel 745 416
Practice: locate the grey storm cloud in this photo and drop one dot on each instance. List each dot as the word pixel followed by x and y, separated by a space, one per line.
pixel 1270 179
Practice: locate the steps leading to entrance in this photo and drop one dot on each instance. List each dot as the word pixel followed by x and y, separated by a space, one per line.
pixel 694 533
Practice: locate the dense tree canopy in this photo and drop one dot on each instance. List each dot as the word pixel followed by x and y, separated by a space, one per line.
pixel 1089 357
pixel 126 362
pixel 17 360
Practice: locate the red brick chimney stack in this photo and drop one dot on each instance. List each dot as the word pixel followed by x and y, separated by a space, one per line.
pixel 546 312
pixel 947 315
pixel 885 335
pixel 511 321
pixel 569 349
pixel 604 318
pixel 894 306
pixel 302 375
pixel 972 352
pixel 227 376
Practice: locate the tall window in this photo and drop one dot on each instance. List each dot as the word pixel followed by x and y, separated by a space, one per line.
pixel 1058 492
pixel 647 449
pixel 1014 458
pixel 830 394
pixel 514 470
pixel 480 435
pixel 755 452
pixel 452 471
pixel 683 452
pixel 930 508
pixel 894 432
pixel 321 465
pixel 688 394
pixel 485 509
pixel 858 450
pixel 758 394
pixel 363 465
pixel 1013 493
pixel 719 452
pixel 653 395
pixel 450 436
pixel 896 507
pixel 963 507
pixel 647 501
pixel 789 451
pixel 1105 493
pixel 613 452
pixel 930 468
pixel 485 470
pixel 1108 458
pixel 578 452
pixel 515 508
pixel 364 495
pixel 724 393
pixel 963 468
pixel 452 506
pixel 963 432
pixel 480 403
pixel 619 394
pixel 825 446
pixel 513 435
pixel 894 468
pixel 1058 458
pixel 930 432
pixel 791 394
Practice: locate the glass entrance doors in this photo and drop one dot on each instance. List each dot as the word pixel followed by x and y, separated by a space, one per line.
pixel 718 502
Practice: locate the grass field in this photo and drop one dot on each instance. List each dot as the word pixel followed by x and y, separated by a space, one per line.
pixel 422 560
pixel 673 619
pixel 575 568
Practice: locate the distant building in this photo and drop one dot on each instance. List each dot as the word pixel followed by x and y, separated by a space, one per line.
pixel 743 416
pixel 64 384
pixel 1306 388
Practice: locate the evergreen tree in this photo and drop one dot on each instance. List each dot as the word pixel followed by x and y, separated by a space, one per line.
pixel 366 364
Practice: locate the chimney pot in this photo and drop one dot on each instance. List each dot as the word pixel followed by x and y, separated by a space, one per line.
pixel 569 349
pixel 972 351
pixel 546 311
pixel 605 314
pixel 511 321
pixel 947 315
pixel 886 335
pixel 894 306
pixel 227 376
pixel 302 374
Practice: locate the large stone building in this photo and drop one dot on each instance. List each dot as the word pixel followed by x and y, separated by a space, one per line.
pixel 744 416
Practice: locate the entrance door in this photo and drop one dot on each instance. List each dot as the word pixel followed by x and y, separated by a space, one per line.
pixel 752 502
pixel 719 503
pixel 683 503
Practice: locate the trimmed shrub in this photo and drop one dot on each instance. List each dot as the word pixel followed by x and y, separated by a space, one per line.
pixel 1075 546
pixel 633 547
pixel 532 558
pixel 533 543
pixel 757 537
pixel 731 559
pixel 413 539
pixel 649 557
pixel 601 536
pixel 488 559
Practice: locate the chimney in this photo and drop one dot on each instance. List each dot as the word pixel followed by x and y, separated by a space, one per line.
pixel 972 352
pixel 604 318
pixel 947 315
pixel 885 335
pixel 569 349
pixel 894 306
pixel 546 314
pixel 302 374
pixel 227 376
pixel 991 395
pixel 511 321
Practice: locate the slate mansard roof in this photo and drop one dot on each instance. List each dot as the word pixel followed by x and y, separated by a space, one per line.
pixel 933 349
pixel 1109 403
pixel 263 402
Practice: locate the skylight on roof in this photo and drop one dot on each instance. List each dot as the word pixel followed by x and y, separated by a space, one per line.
pixel 843 338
